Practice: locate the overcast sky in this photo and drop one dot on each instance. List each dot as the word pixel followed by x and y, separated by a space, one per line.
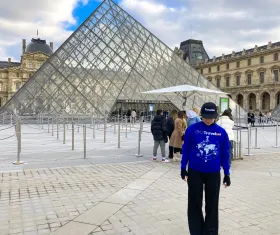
pixel 223 25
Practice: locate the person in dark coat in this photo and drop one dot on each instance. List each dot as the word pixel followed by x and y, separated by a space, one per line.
pixel 170 129
pixel 159 131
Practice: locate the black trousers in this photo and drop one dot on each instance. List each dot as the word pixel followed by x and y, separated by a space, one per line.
pixel 197 224
pixel 171 149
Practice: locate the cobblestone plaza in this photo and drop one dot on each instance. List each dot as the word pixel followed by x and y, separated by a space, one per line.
pixel 114 192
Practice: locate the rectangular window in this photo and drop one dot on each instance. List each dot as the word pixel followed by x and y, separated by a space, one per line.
pixel 275 56
pixel 262 59
pixel 1 86
pixel 261 77
pixel 237 80
pixel 29 65
pixel 276 74
pixel 218 82
pixel 249 62
pixel 209 70
pixel 17 75
pixel 237 64
pixel 201 71
pixel 218 68
pixel 227 65
pixel 227 81
pixel 249 79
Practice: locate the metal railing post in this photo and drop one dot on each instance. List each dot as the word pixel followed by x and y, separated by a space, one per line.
pixel 276 145
pixel 125 128
pixel 119 134
pixel 249 141
pixel 11 119
pixel 57 132
pixel 256 138
pixel 48 124
pixel 105 126
pixel 64 132
pixel 73 135
pixel 93 128
pixel 42 117
pixel 115 125
pixel 139 145
pixel 18 135
pixel 85 141
pixel 52 126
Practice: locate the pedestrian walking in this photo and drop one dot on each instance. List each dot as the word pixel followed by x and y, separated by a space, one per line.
pixel 192 118
pixel 159 131
pixel 227 123
pixel 176 138
pixel 133 116
pixel 170 128
pixel 205 150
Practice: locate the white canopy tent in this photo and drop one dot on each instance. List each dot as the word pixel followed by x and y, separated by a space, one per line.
pixel 185 91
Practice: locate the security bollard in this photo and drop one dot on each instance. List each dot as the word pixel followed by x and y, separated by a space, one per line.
pixel 85 141
pixel 276 146
pixel 3 118
pixel 11 119
pixel 249 141
pixel 139 145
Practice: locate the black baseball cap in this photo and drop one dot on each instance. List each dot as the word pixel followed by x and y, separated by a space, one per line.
pixel 209 110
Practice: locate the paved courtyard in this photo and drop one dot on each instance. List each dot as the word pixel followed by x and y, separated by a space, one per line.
pixel 134 198
pixel 114 192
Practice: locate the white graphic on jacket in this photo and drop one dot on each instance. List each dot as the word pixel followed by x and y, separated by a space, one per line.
pixel 206 150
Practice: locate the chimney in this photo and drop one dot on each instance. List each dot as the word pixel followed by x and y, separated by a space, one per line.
pixel 244 51
pixel 23 45
pixel 223 56
pixel 269 44
pixel 256 48
pixel 9 60
pixel 214 58
pixel 51 45
pixel 233 53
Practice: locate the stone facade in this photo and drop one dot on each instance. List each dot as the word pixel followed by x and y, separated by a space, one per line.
pixel 14 74
pixel 251 77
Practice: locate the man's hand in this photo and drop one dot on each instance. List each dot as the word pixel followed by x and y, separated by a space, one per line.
pixel 184 174
pixel 226 181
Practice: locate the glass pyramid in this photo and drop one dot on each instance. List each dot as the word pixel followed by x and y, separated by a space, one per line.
pixel 275 114
pixel 110 58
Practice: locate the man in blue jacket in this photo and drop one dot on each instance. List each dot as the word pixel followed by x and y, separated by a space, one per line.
pixel 205 149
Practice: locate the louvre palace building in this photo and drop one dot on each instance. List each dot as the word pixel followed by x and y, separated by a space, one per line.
pixel 14 74
pixel 251 76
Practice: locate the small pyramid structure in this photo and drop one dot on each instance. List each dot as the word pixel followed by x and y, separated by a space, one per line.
pixel 110 57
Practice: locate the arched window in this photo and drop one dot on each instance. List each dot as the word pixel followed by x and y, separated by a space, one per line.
pixel 1 86
pixel 218 82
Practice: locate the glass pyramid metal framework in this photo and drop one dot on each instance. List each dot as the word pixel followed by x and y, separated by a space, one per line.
pixel 110 57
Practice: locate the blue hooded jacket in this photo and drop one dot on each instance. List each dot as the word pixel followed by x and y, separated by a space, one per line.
pixel 206 148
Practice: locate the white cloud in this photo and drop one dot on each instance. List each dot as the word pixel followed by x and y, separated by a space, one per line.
pixel 21 19
pixel 222 25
